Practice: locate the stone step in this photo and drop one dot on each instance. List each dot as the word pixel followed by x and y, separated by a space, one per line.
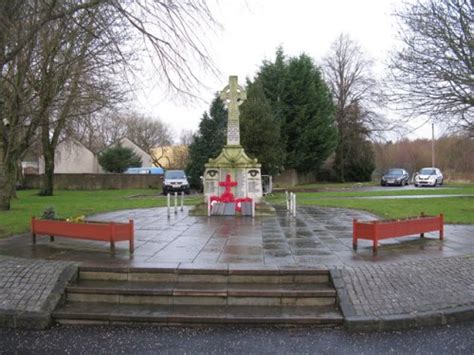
pixel 200 293
pixel 107 313
pixel 275 276
pixel 200 296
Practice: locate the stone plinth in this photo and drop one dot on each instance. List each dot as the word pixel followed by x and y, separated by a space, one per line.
pixel 244 170
pixel 263 209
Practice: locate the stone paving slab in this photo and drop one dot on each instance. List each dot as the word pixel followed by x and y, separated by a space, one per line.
pixel 410 280
pixel 390 296
pixel 31 289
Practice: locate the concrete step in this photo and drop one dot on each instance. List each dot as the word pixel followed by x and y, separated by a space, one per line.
pixel 200 296
pixel 107 313
pixel 275 276
pixel 201 293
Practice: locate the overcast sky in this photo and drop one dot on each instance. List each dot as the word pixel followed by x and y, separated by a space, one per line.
pixel 251 32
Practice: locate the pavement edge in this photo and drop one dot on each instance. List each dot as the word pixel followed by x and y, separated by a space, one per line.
pixel 40 319
pixel 355 323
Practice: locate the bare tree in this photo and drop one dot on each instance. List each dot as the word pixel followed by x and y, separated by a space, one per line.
pixel 16 127
pixel 186 137
pixel 357 96
pixel 98 130
pixel 72 76
pixel 170 33
pixel 108 127
pixel 455 155
pixel 147 132
pixel 348 71
pixel 433 73
pixel 20 23
pixel 174 156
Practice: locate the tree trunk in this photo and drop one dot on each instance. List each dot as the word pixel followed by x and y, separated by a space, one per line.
pixel 5 188
pixel 341 162
pixel 48 177
pixel 13 170
pixel 7 182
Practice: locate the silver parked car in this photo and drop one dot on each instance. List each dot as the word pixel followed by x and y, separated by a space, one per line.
pixel 428 177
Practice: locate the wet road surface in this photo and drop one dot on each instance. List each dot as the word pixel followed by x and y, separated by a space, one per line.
pixel 454 339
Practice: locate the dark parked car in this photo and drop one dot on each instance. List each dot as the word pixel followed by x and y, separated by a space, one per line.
pixel 395 177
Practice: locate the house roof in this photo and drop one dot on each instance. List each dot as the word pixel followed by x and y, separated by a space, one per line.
pixel 128 142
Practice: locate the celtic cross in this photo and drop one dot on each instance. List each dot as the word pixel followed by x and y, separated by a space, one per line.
pixel 233 95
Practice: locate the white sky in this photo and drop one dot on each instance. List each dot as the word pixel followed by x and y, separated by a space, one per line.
pixel 252 30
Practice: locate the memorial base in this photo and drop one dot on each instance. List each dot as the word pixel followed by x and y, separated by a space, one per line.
pixel 245 171
pixel 223 209
pixel 262 209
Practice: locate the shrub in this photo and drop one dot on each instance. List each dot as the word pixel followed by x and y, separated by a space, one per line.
pixel 118 159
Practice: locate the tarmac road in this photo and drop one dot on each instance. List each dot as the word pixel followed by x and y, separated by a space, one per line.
pixel 453 339
pixel 378 187
pixel 400 188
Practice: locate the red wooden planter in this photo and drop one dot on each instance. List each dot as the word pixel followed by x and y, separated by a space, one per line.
pixel 384 229
pixel 101 231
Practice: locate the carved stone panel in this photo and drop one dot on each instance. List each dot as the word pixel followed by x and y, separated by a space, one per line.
pixel 233 133
pixel 254 183
pixel 211 182
pixel 241 188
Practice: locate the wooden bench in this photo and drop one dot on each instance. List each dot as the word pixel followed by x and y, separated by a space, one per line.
pixel 384 229
pixel 101 231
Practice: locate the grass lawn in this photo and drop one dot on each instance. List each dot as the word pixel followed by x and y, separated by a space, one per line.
pixel 76 203
pixel 459 190
pixel 351 190
pixel 455 209
pixel 335 185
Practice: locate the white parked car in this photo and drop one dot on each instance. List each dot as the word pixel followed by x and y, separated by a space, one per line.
pixel 175 181
pixel 428 177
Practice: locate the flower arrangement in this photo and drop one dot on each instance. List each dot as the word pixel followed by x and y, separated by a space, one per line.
pixel 78 219
pixel 50 213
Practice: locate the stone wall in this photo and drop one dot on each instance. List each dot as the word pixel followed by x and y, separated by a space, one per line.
pixel 97 181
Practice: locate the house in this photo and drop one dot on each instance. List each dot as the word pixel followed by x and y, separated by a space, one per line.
pixel 71 157
pixel 144 156
pixel 170 157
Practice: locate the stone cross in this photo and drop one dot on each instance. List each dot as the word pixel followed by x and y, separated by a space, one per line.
pixel 233 95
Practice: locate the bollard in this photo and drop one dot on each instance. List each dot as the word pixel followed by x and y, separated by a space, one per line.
pixel 175 203
pixel 253 208
pixel 182 201
pixel 290 203
pixel 287 201
pixel 209 206
pixel 168 202
pixel 294 205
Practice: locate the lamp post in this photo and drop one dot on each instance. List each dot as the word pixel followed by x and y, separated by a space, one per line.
pixel 432 145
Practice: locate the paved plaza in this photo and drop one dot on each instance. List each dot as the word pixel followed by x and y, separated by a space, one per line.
pixel 409 278
pixel 316 237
